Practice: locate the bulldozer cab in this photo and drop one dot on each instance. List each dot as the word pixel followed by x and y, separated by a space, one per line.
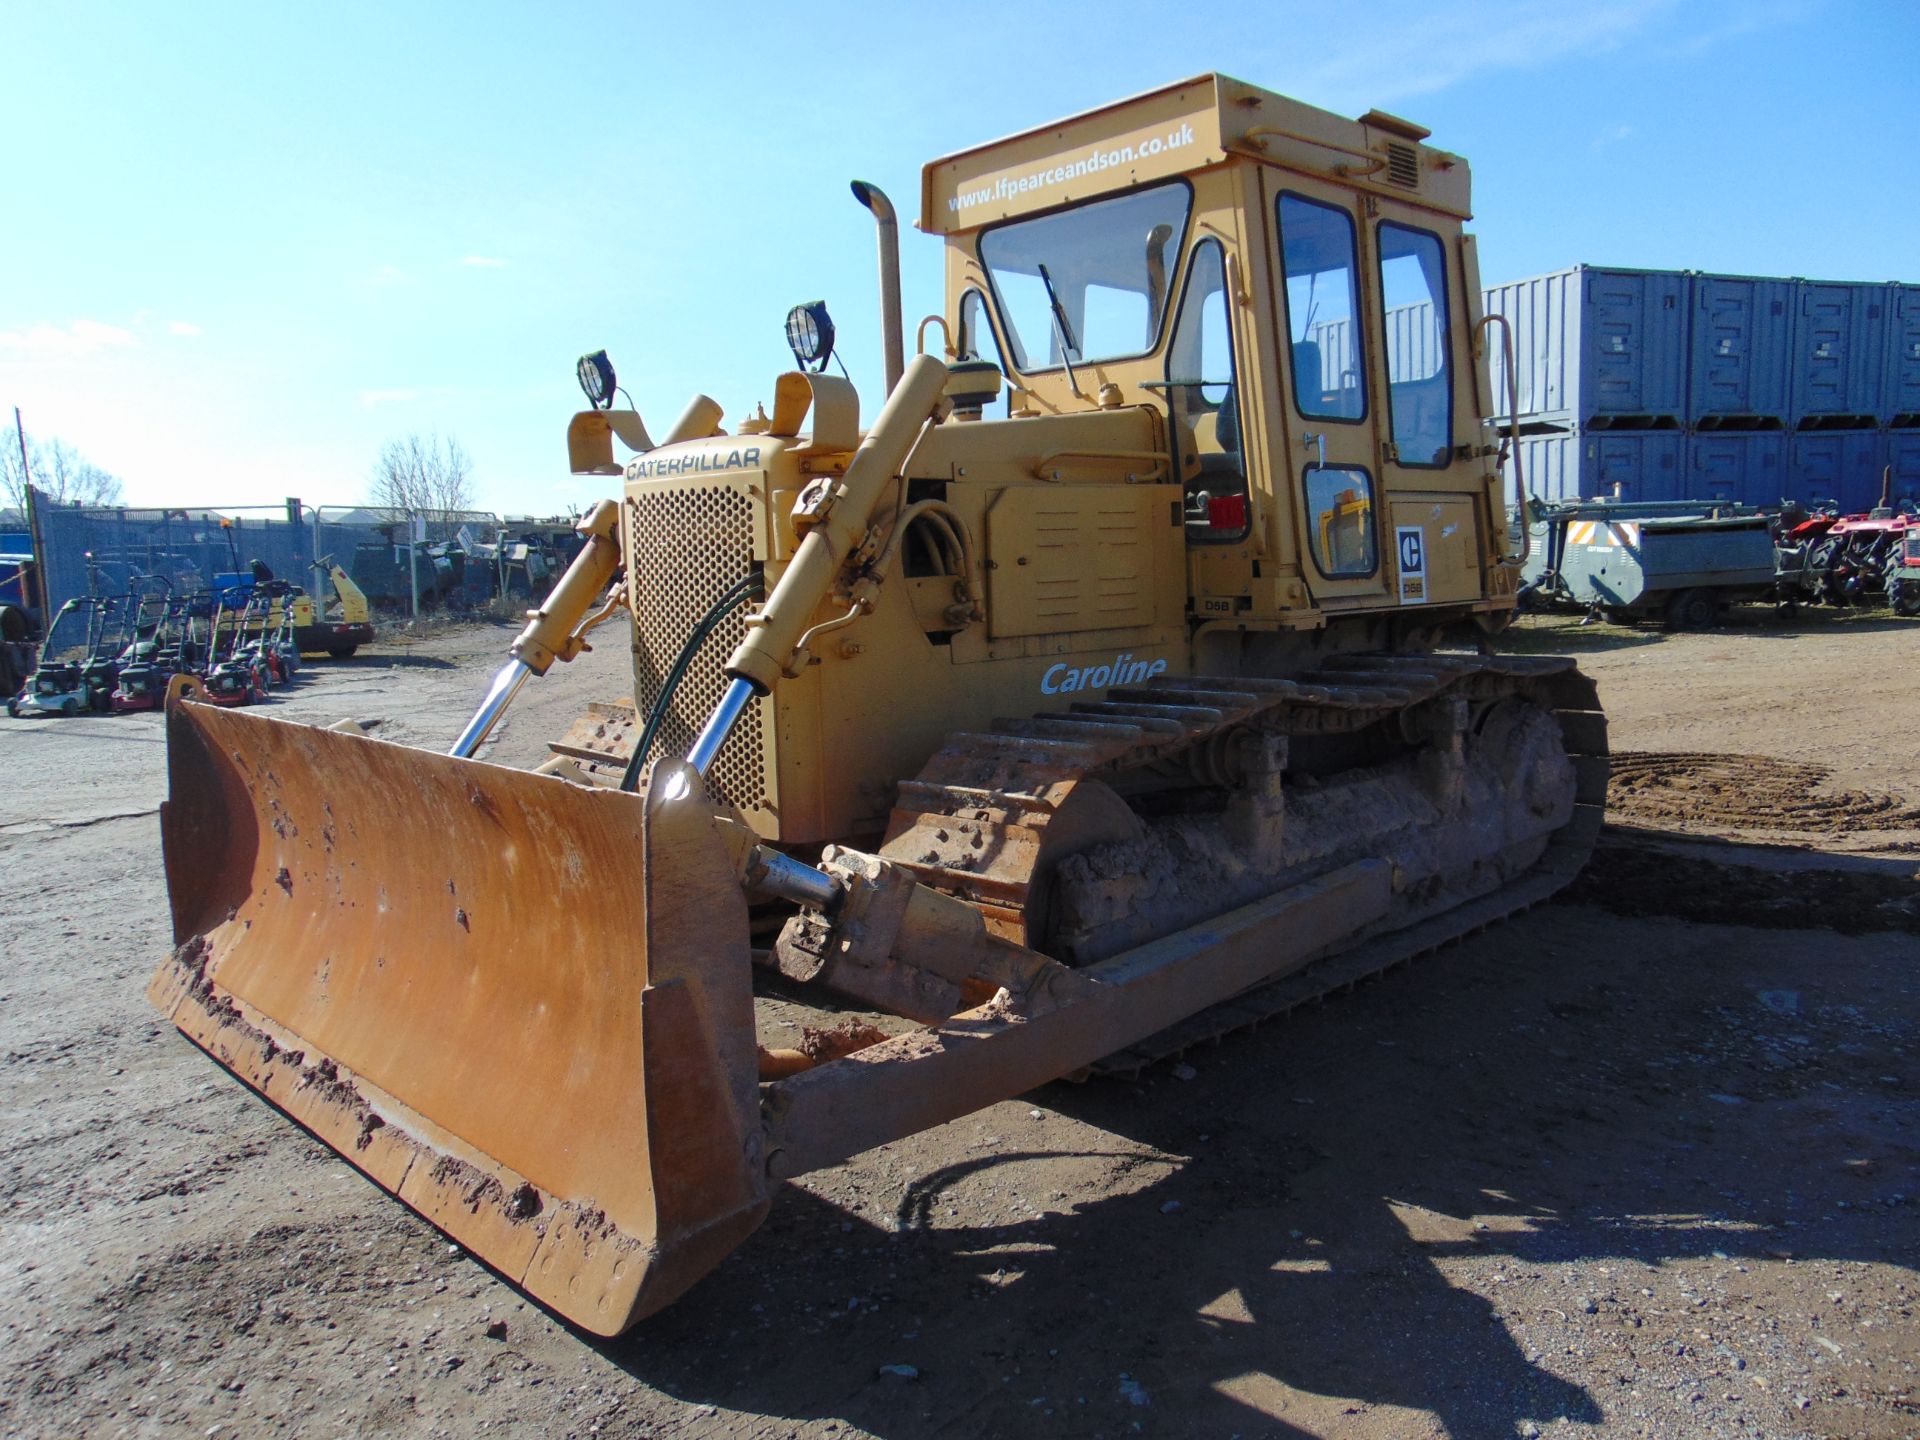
pixel 1292 290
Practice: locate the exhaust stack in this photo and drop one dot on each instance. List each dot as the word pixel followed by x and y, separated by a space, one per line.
pixel 891 324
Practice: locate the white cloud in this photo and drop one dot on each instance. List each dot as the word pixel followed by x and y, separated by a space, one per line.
pixel 484 262
pixel 83 337
pixel 1613 135
pixel 185 329
pixel 387 275
pixel 1745 20
pixel 371 398
pixel 1418 56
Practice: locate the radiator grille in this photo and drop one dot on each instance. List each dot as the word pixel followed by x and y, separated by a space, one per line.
pixel 1403 165
pixel 689 544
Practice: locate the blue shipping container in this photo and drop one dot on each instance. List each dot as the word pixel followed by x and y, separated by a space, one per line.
pixel 1839 350
pixel 1550 467
pixel 1903 371
pixel 1742 337
pixel 1594 464
pixel 1903 454
pixel 1414 345
pixel 1748 467
pixel 1597 346
pixel 1837 465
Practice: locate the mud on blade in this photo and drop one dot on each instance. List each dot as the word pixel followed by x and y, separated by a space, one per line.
pixel 521 1005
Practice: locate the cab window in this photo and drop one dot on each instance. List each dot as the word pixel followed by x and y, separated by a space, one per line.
pixel 1317 251
pixel 1413 287
pixel 1340 516
pixel 1203 395
pixel 1089 283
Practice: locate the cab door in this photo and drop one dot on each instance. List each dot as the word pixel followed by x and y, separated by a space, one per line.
pixel 1329 460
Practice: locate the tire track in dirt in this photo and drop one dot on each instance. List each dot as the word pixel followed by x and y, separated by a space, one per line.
pixel 1746 792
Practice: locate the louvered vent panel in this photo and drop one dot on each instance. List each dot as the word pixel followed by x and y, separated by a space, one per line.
pixel 1403 165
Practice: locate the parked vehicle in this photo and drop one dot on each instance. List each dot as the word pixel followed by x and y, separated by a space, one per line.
pixel 1202 561
pixel 1680 561
pixel 1903 578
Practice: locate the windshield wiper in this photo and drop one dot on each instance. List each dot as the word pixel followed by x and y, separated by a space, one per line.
pixel 1067 345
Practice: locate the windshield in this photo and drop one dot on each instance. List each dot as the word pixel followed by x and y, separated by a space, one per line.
pixel 1089 283
pixel 70 636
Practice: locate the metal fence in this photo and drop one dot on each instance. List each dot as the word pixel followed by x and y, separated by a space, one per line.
pixel 406 562
pixel 87 550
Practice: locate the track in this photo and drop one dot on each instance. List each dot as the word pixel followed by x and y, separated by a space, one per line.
pixel 992 812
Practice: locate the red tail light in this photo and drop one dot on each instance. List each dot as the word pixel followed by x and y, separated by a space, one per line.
pixel 1227 512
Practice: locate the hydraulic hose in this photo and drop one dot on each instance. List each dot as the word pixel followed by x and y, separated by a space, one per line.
pixel 747 588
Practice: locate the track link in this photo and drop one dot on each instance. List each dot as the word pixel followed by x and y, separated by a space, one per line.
pixel 992 810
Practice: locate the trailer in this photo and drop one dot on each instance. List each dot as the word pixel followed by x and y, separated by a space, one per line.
pixel 1683 561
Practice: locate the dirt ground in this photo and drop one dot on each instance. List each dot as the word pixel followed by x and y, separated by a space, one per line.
pixel 1641 1162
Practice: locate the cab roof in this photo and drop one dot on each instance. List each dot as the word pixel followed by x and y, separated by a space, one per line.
pixel 1180 129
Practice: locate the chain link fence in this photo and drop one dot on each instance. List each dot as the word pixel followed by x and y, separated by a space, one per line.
pixel 86 550
pixel 407 562
pixel 467 560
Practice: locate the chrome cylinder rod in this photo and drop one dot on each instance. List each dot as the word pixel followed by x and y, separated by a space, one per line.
pixel 720 724
pixel 505 686
pixel 773 873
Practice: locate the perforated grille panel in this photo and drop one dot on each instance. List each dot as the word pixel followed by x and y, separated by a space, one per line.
pixel 689 543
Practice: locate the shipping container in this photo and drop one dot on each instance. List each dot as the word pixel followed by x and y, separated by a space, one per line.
pixel 1413 346
pixel 1841 466
pixel 1902 400
pixel 1839 362
pixel 1549 465
pixel 1591 464
pixel 1742 338
pixel 1903 454
pixel 1634 464
pixel 1601 348
pixel 1748 467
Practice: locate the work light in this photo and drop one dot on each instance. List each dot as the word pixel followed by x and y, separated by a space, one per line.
pixel 810 333
pixel 596 378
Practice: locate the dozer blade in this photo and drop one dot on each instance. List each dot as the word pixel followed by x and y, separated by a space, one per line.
pixel 521 1005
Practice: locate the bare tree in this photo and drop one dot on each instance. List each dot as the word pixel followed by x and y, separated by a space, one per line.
pixel 427 477
pixel 59 472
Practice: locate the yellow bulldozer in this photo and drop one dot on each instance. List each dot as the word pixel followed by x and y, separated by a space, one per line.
pixel 1115 687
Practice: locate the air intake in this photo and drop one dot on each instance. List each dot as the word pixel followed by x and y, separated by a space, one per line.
pixel 1403 165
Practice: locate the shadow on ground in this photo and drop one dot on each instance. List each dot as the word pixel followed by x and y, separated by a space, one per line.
pixel 385 658
pixel 1566 633
pixel 1280 1254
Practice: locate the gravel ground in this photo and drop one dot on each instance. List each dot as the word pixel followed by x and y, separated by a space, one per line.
pixel 1639 1162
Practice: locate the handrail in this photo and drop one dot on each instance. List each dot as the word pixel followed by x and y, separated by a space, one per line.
pixel 1374 162
pixel 1514 562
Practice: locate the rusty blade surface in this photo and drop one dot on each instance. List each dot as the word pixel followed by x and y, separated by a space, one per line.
pixel 521 1005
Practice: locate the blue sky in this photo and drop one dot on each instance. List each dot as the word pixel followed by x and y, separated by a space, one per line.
pixel 246 245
